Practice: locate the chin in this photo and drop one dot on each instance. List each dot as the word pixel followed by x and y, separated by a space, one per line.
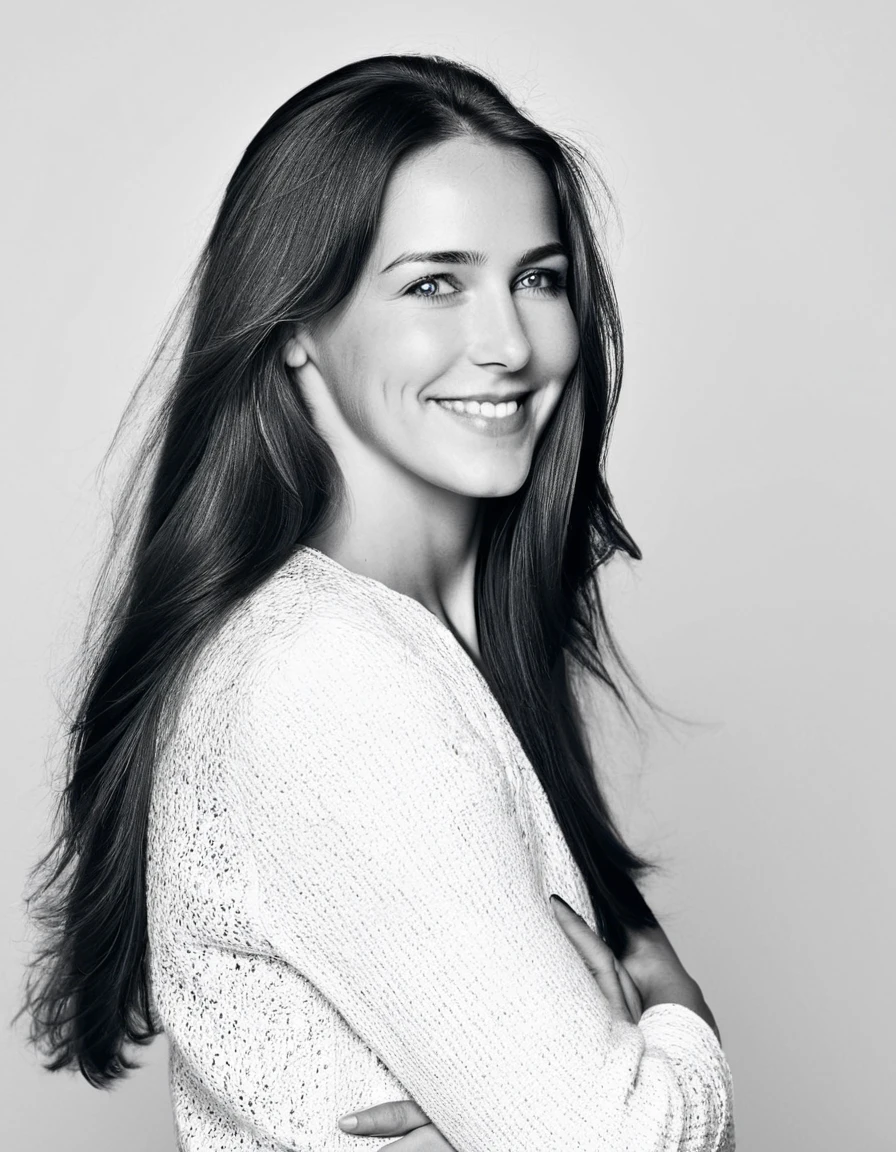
pixel 502 483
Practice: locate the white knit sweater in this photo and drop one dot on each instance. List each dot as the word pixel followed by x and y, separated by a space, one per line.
pixel 350 859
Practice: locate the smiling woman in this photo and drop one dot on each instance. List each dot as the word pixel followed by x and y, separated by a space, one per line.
pixel 328 766
pixel 399 378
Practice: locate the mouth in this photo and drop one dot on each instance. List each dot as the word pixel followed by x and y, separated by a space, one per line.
pixel 485 405
pixel 506 417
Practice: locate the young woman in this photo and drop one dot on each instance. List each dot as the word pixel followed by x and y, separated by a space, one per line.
pixel 329 767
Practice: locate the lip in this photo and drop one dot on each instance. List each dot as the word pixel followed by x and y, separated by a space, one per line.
pixel 492 426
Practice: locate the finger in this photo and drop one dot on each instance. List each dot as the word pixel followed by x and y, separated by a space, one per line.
pixel 594 951
pixel 425 1139
pixel 598 956
pixel 389 1119
pixel 630 992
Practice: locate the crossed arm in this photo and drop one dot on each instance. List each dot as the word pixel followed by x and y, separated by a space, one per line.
pixel 391 873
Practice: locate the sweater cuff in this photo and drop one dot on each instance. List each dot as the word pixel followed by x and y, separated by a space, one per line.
pixel 694 1049
pixel 673 1026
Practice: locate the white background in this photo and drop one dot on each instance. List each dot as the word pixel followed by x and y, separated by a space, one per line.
pixel 750 149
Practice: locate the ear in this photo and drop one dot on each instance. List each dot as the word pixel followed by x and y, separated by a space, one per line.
pixel 295 351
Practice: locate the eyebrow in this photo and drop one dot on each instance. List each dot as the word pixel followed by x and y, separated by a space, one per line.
pixel 555 248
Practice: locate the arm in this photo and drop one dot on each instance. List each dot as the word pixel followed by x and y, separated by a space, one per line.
pixel 393 875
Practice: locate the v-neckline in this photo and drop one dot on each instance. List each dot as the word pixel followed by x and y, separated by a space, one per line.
pixel 439 630
pixel 386 592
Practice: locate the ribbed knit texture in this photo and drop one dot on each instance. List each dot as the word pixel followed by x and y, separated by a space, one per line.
pixel 350 859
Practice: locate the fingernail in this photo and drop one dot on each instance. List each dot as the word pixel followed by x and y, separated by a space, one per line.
pixel 347 1123
pixel 554 896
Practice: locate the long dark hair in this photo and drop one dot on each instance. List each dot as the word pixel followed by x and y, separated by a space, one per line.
pixel 238 477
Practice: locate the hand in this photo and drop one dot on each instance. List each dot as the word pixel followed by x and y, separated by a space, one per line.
pixel 653 964
pixel 395 1117
pixel 650 964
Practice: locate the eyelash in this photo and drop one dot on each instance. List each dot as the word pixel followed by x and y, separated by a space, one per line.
pixel 556 285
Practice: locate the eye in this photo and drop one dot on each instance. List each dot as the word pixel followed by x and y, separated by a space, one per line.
pixel 428 287
pixel 552 282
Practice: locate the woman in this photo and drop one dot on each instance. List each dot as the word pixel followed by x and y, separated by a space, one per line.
pixel 329 768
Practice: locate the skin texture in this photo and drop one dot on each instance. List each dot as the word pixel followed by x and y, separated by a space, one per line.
pixel 372 368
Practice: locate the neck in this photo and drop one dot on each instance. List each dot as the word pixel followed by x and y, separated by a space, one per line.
pixel 415 538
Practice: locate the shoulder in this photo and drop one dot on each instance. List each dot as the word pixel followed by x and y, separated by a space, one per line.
pixel 334 653
pixel 334 634
pixel 314 668
pixel 326 708
pixel 348 676
pixel 303 620
pixel 355 736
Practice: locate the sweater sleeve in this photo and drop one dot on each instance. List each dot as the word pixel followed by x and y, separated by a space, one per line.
pixel 393 874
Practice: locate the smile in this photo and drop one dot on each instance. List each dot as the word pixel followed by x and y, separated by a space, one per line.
pixel 484 408
pixel 502 419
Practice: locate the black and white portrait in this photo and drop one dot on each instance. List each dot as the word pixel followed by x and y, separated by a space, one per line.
pixel 448 577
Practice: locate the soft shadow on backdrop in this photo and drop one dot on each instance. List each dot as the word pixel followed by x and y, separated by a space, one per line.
pixel 750 152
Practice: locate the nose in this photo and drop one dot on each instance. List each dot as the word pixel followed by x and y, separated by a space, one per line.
pixel 497 337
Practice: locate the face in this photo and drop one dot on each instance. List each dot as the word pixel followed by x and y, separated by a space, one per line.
pixel 447 359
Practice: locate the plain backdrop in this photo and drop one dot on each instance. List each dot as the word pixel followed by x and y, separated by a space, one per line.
pixel 750 151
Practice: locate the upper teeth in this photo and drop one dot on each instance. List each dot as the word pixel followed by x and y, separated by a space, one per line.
pixel 485 408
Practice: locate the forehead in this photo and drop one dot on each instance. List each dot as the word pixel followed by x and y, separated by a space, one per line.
pixel 467 192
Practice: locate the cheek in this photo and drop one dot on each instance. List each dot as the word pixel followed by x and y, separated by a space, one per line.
pixel 555 346
pixel 418 347
pixel 348 368
pixel 557 340
pixel 380 367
